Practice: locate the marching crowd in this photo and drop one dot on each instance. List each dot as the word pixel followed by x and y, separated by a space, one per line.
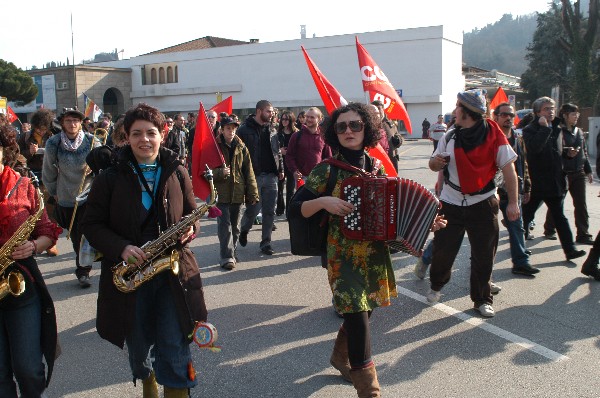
pixel 115 187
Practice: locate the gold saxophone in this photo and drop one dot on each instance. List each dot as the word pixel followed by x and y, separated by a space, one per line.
pixel 14 282
pixel 160 253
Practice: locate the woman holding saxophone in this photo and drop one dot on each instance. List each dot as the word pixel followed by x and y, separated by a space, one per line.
pixel 27 318
pixel 130 204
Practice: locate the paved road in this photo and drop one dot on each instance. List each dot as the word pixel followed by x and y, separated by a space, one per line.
pixel 277 327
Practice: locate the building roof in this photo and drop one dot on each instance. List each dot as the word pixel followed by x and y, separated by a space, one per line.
pixel 199 44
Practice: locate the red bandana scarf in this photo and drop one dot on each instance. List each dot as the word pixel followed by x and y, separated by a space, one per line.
pixel 8 180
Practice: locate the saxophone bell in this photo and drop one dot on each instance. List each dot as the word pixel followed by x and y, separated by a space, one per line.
pixel 14 283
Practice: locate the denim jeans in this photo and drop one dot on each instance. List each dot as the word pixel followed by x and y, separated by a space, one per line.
pixel 267 191
pixel 156 341
pixel 228 230
pixel 428 253
pixel 516 237
pixel 21 351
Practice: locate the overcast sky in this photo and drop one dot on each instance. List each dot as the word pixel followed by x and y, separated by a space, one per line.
pixel 36 32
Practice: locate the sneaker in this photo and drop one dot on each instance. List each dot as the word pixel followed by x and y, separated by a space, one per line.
pixel 550 236
pixel 433 296
pixel 529 235
pixel 575 254
pixel 495 289
pixel 486 310
pixel 229 265
pixel 84 281
pixel 274 227
pixel 243 239
pixel 267 250
pixel 420 268
pixel 531 225
pixel 525 270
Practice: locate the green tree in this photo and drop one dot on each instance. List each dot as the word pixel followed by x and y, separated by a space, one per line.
pixel 16 84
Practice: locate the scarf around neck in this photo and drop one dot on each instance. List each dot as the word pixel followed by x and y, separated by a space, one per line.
pixel 69 145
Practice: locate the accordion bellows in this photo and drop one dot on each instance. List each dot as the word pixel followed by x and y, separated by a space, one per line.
pixel 393 209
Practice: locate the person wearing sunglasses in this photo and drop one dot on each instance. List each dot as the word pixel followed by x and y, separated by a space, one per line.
pixel 360 273
pixel 287 127
pixel 504 115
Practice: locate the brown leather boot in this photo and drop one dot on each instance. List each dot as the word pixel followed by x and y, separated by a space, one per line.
pixel 339 356
pixel 150 387
pixel 365 382
pixel 176 392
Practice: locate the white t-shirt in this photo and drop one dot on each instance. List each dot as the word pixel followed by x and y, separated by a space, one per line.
pixel 437 130
pixel 450 195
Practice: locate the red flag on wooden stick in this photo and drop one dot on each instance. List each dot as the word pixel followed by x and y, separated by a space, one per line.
pixel 379 87
pixel 11 114
pixel 499 98
pixel 224 106
pixel 332 99
pixel 205 152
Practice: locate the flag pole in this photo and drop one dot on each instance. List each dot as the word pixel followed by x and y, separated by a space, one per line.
pixel 73 56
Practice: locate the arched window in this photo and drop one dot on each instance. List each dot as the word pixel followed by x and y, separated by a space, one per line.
pixel 153 76
pixel 161 75
pixel 170 74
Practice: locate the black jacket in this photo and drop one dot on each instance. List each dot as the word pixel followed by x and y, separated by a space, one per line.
pixel 250 132
pixel 544 159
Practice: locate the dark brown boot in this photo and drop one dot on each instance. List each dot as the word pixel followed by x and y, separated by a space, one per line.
pixel 365 382
pixel 590 265
pixel 339 356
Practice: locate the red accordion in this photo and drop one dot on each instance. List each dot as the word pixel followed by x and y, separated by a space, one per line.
pixel 397 210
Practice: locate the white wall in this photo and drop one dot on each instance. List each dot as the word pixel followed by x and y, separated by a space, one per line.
pixel 426 63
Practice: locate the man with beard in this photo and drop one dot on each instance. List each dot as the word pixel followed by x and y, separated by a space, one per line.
pixel 504 115
pixel 468 197
pixel 261 139
pixel 307 148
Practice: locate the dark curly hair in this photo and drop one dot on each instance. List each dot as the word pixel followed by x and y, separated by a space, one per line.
pixel 8 141
pixel 370 120
pixel 42 118
pixel 146 112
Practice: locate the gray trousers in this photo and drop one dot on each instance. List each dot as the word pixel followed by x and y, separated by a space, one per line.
pixel 267 191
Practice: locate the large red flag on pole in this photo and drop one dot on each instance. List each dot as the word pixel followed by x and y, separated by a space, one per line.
pixel 205 152
pixel 332 99
pixel 224 106
pixel 377 85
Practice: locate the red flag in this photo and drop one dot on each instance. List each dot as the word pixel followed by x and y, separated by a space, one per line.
pixel 205 152
pixel 224 106
pixel 379 87
pixel 332 99
pixel 11 114
pixel 379 153
pixel 499 98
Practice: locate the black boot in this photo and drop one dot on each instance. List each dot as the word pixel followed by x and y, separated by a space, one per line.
pixel 590 266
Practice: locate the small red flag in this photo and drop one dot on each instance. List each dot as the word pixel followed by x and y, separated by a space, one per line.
pixel 379 87
pixel 205 152
pixel 379 153
pixel 11 114
pixel 332 99
pixel 499 98
pixel 224 106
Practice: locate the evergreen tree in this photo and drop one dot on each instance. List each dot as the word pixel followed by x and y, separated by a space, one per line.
pixel 16 84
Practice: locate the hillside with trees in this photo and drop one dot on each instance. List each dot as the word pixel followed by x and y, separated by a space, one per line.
pixel 501 45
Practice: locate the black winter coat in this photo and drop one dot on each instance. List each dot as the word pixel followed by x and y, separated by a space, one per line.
pixel 112 221
pixel 544 159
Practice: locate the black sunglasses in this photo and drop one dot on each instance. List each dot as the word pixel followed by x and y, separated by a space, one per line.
pixel 506 114
pixel 355 126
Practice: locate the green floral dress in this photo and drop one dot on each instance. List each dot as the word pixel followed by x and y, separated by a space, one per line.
pixel 360 272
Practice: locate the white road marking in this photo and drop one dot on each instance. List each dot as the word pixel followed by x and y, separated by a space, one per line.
pixel 482 324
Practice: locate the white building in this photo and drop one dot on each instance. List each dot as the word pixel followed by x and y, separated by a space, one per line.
pixel 424 63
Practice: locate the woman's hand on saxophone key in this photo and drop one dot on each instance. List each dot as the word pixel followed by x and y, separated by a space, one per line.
pixel 24 250
pixel 187 236
pixel 133 255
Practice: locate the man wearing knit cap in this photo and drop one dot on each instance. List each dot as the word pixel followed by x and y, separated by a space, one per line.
pixel 469 196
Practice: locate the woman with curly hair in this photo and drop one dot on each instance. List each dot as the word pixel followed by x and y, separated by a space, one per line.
pixel 27 320
pixel 360 273
pixel 287 127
